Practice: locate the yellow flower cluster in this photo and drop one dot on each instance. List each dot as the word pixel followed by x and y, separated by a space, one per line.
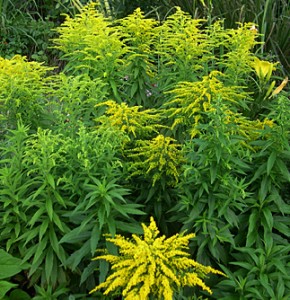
pixel 139 31
pixel 130 120
pixel 152 266
pixel 245 127
pixel 17 69
pixel 158 157
pixel 192 99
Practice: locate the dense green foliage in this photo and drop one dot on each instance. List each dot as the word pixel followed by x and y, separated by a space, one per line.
pixel 178 120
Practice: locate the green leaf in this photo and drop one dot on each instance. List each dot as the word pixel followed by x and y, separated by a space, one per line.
pixel 129 227
pixel 59 198
pixel 75 236
pixel 50 180
pixel 264 280
pixel 271 162
pixel 95 237
pixel 57 221
pixel 245 265
pixel 133 209
pixel 280 290
pixel 74 260
pixel 134 89
pixel 53 240
pixel 103 270
pixel 35 194
pixel 115 91
pixel 252 230
pixel 43 228
pixel 267 218
pixel 35 266
pixel 49 261
pixel 213 173
pixel 282 225
pixel 9 265
pixel 261 170
pixel 5 286
pixel 283 169
pixel 40 249
pixel 19 295
pixel 92 266
pixel 256 294
pixel 31 250
pixel 101 216
pixel 49 208
pixel 265 187
pixel 36 216
pixel 111 225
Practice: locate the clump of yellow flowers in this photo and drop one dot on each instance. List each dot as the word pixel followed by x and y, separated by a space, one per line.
pixel 152 266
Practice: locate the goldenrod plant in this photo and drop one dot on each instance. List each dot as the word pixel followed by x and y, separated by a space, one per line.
pixel 153 266
pixel 22 96
pixel 130 119
pixel 158 159
pixel 177 119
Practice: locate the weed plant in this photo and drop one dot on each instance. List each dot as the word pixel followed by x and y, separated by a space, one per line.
pixel 178 121
pixel 271 16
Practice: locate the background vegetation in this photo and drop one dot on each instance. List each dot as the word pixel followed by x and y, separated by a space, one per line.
pixel 182 119
pixel 26 26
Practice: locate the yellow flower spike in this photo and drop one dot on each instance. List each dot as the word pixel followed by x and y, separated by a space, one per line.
pixel 131 120
pixel 157 158
pixel 152 266
pixel 280 87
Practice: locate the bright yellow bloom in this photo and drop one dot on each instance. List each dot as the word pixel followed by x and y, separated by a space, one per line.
pixel 157 158
pixel 263 68
pixel 152 266
pixel 130 119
